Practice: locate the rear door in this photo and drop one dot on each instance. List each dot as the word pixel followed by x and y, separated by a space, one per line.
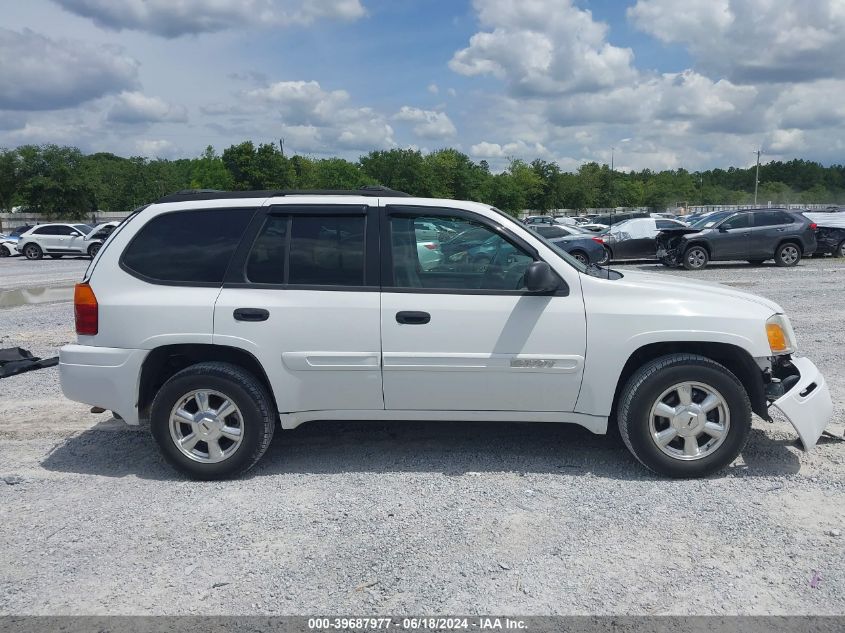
pixel 730 240
pixel 769 228
pixel 302 295
pixel 466 335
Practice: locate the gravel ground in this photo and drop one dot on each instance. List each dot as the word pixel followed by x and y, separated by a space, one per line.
pixel 373 518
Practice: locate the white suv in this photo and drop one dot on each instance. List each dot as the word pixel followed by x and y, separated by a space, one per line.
pixel 216 316
pixel 56 240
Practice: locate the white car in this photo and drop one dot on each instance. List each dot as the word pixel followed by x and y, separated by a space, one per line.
pixel 218 317
pixel 7 247
pixel 55 240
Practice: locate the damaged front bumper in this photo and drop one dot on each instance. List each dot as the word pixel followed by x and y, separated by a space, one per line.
pixel 807 404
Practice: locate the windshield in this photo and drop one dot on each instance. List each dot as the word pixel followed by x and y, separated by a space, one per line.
pixel 85 228
pixel 710 220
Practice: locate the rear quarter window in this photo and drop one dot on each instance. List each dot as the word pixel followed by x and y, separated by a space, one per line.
pixel 186 247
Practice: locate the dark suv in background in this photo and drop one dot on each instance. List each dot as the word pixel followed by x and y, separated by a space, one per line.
pixel 754 235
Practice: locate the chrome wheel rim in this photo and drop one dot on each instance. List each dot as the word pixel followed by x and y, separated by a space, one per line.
pixel 689 421
pixel 581 258
pixel 842 249
pixel 789 255
pixel 31 252
pixel 696 258
pixel 206 426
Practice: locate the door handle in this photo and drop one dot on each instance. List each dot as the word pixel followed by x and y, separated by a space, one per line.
pixel 251 314
pixel 413 318
pixel 781 230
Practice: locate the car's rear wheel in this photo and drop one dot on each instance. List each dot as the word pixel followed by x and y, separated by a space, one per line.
pixel 33 251
pixel 840 250
pixel 581 257
pixel 787 254
pixel 213 420
pixel 93 250
pixel 696 258
pixel 684 415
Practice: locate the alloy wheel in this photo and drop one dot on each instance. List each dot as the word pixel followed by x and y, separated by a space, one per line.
pixel 689 421
pixel 789 254
pixel 206 426
pixel 696 258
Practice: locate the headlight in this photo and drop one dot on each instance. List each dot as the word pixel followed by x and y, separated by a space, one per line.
pixel 780 334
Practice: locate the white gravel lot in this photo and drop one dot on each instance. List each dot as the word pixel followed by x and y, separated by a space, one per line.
pixel 374 518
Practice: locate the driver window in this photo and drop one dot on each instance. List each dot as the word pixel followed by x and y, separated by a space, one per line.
pixel 454 253
pixel 739 221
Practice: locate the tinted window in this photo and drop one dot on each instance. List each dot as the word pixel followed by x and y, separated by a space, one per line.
pixel 187 246
pixel 46 230
pixel 266 263
pixel 551 231
pixel 477 258
pixel 327 251
pixel 740 221
pixel 772 218
pixel 668 224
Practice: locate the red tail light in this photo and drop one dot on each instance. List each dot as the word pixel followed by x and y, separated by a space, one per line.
pixel 597 239
pixel 813 226
pixel 430 246
pixel 85 308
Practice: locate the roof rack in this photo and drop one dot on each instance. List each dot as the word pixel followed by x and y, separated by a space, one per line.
pixel 372 191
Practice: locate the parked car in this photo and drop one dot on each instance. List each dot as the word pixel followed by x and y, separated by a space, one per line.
pixel 7 247
pixel 55 240
pixel 98 235
pixel 595 227
pixel 216 317
pixel 583 245
pixel 830 235
pixel 635 239
pixel 754 235
pixel 608 219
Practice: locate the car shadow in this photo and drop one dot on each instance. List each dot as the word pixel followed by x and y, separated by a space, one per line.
pixel 453 449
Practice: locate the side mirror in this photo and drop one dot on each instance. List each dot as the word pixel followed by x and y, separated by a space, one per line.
pixel 539 277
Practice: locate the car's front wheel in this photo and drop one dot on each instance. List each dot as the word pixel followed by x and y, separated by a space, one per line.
pixel 696 258
pixel 684 415
pixel 213 420
pixel 787 255
pixel 93 250
pixel 33 251
pixel 840 250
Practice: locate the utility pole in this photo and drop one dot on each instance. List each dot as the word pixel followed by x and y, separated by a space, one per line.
pixel 612 148
pixel 756 177
pixel 282 146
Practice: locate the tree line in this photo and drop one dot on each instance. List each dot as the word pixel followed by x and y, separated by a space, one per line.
pixel 62 182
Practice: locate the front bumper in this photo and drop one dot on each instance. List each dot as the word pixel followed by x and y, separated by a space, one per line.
pixel 807 405
pixel 104 377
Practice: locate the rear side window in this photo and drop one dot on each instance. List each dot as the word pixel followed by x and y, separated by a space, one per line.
pixel 304 250
pixel 187 247
pixel 772 218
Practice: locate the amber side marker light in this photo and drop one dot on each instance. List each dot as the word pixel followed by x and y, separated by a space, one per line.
pixel 777 337
pixel 85 309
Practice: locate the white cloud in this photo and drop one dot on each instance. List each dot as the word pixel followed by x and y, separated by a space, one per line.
pixel 135 107
pixel 543 47
pixel 320 120
pixel 428 123
pixel 172 18
pixel 155 148
pixel 752 40
pixel 433 88
pixel 516 149
pixel 39 73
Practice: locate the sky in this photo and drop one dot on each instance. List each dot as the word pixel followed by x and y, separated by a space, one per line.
pixel 659 84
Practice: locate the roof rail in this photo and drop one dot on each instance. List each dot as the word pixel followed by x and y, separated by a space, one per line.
pixel 372 191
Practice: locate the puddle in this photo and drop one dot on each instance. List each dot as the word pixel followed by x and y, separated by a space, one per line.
pixel 31 296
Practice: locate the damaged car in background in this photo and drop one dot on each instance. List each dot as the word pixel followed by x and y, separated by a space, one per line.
pixel 752 235
pixel 830 235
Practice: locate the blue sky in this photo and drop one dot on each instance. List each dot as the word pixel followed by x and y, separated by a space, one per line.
pixel 561 80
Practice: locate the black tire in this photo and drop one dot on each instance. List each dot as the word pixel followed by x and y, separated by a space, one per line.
pixel 33 251
pixel 93 250
pixel 646 385
pixel 788 255
pixel 239 386
pixel 695 258
pixel 581 256
pixel 606 257
pixel 756 262
pixel 55 256
pixel 3 251
pixel 840 249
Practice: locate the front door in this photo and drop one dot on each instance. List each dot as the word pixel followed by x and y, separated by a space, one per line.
pixel 730 240
pixel 466 335
pixel 302 299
